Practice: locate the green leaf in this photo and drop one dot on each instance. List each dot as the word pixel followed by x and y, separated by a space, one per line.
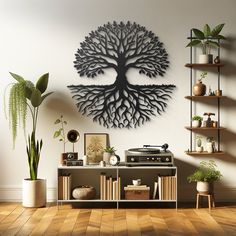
pixel 199 34
pixel 194 43
pixel 220 37
pixel 36 98
pixel 44 96
pixel 56 134
pixel 65 122
pixel 213 44
pixel 17 77
pixel 60 139
pixel 207 30
pixel 42 83
pixel 217 30
pixel 57 121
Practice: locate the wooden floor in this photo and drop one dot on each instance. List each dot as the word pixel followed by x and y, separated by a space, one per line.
pixel 16 220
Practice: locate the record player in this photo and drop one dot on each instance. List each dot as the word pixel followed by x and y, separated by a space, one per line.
pixel 149 155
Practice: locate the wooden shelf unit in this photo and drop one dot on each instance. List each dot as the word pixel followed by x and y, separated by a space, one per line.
pixel 192 99
pixel 122 170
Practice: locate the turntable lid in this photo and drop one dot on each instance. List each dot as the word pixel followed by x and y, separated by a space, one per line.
pixel 145 150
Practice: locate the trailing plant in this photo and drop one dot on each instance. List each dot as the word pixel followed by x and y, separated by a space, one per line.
pixel 109 149
pixel 60 133
pixel 203 75
pixel 24 96
pixel 197 118
pixel 207 38
pixel 206 172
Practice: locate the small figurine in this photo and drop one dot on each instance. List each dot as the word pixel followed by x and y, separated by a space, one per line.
pixel 217 60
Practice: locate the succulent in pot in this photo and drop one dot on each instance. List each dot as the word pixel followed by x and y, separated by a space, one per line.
pixel 26 96
pixel 196 121
pixel 205 175
pixel 108 152
pixel 206 39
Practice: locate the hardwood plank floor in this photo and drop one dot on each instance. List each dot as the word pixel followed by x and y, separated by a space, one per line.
pixel 16 220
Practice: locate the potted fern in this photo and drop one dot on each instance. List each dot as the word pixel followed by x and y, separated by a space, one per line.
pixel 26 97
pixel 205 175
pixel 206 39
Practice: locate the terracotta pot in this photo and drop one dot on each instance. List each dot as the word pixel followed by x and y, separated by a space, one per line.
pixel 199 89
pixel 205 58
pixel 34 193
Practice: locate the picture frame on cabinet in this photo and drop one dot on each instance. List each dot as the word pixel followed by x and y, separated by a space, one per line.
pixel 94 145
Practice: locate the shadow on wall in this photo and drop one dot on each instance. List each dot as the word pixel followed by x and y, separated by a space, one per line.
pixel 228 140
pixel 187 191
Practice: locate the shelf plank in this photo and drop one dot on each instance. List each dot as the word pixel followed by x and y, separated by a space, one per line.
pixel 201 65
pixel 194 153
pixel 204 128
pixel 121 200
pixel 204 97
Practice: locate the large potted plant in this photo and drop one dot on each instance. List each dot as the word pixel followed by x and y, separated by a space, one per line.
pixel 25 96
pixel 205 175
pixel 207 39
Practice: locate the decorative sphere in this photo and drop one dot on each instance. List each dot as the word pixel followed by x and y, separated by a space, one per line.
pixel 84 192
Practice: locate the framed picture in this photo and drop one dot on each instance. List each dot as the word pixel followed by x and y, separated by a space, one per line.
pixel 94 144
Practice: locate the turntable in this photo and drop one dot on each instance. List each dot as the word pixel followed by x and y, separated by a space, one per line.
pixel 149 155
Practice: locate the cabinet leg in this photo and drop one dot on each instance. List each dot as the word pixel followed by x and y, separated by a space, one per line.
pixel 209 202
pixel 197 204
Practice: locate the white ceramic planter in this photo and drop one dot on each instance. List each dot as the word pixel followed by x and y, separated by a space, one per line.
pixel 199 149
pixel 34 193
pixel 196 123
pixel 106 157
pixel 209 147
pixel 205 58
pixel 203 187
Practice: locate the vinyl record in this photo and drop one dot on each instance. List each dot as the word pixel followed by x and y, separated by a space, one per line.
pixel 73 136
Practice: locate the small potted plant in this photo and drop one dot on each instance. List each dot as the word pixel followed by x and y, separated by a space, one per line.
pixel 199 147
pixel 196 121
pixel 199 89
pixel 108 152
pixel 207 39
pixel 205 175
pixel 210 145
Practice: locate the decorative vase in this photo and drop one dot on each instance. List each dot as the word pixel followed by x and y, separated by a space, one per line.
pixel 205 58
pixel 199 149
pixel 196 123
pixel 84 192
pixel 34 193
pixel 106 157
pixel 209 147
pixel 199 89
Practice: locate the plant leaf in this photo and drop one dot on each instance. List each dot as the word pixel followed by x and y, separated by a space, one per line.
pixel 199 34
pixel 213 44
pixel 36 98
pixel 57 121
pixel 217 30
pixel 65 122
pixel 17 77
pixel 45 95
pixel 194 43
pixel 207 30
pixel 56 134
pixel 42 83
pixel 220 37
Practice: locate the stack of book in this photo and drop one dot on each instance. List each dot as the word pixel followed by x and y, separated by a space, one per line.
pixel 165 188
pixel 109 187
pixel 137 192
pixel 64 187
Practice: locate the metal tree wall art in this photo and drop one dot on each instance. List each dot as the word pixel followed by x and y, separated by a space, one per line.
pixel 121 46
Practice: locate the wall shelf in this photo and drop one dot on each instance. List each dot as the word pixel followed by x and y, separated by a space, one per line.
pixel 194 153
pixel 199 65
pixel 204 128
pixel 204 97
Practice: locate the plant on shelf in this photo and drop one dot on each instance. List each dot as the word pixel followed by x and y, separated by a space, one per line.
pixel 205 175
pixel 210 145
pixel 206 39
pixel 60 133
pixel 199 89
pixel 108 152
pixel 196 121
pixel 25 96
pixel 199 147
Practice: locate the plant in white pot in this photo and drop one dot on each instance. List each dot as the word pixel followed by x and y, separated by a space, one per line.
pixel 207 39
pixel 108 152
pixel 196 121
pixel 26 97
pixel 205 175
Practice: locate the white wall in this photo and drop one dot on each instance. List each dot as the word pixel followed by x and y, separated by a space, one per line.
pixel 43 36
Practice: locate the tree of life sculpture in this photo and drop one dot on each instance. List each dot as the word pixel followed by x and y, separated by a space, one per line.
pixel 121 46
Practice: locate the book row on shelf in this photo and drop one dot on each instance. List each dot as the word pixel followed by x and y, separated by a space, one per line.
pixel 164 188
pixel 109 187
